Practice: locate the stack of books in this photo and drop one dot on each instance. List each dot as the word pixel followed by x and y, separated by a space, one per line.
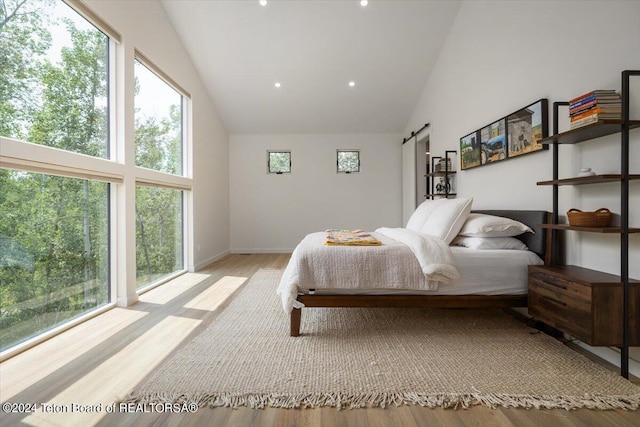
pixel 593 106
pixel 443 165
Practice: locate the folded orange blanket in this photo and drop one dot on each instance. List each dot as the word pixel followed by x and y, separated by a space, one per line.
pixel 350 238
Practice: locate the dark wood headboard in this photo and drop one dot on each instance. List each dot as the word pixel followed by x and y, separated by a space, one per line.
pixel 538 242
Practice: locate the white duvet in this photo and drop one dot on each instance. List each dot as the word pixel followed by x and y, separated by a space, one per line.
pixel 405 260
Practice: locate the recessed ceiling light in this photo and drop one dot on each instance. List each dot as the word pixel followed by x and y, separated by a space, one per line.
pixel 277 84
pixel 364 2
pixel 352 83
pixel 263 2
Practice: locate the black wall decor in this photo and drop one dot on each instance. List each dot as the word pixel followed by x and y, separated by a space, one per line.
pixel 513 135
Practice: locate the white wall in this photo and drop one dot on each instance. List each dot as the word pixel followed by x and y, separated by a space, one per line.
pixel 499 57
pixel 271 213
pixel 409 174
pixel 414 170
pixel 145 26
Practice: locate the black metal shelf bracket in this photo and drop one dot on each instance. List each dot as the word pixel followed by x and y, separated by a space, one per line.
pixel 448 190
pixel 624 220
pixel 625 127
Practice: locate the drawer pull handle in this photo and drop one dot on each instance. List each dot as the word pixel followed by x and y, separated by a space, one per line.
pixel 554 284
pixel 564 304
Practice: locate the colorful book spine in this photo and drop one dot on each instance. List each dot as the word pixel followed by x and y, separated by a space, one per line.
pixel 602 94
pixel 593 106
pixel 614 113
pixel 582 108
pixel 584 121
pixel 582 101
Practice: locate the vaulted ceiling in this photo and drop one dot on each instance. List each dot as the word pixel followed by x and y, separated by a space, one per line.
pixel 313 49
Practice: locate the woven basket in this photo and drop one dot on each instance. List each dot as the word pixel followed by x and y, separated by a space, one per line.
pixel 599 218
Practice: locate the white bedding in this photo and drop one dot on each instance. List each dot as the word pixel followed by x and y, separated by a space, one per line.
pixel 391 265
pixel 482 272
pixel 393 269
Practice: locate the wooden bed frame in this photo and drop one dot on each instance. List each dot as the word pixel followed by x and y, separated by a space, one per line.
pixel 539 242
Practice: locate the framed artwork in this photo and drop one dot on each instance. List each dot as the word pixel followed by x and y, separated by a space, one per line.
pixel 514 135
pixel 526 127
pixel 470 150
pixel 493 142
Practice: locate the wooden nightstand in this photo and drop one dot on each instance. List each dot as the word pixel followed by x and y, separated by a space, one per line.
pixel 584 303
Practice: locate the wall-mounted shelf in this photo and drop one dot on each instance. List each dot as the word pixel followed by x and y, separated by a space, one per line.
pixel 585 133
pixel 579 180
pixel 443 173
pixel 604 230
pixel 585 303
pixel 625 299
pixel 445 185
pixel 440 195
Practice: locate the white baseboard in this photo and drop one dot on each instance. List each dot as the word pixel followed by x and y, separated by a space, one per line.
pixel 202 264
pixel 612 355
pixel 206 262
pixel 262 251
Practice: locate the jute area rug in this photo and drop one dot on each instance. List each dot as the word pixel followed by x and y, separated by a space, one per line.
pixel 349 358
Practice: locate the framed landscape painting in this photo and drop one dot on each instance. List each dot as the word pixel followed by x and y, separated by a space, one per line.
pixel 493 147
pixel 470 150
pixel 526 127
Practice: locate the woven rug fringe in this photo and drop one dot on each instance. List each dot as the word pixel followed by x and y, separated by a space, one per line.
pixel 431 358
pixel 382 400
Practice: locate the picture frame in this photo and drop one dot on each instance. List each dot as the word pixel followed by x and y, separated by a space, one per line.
pixel 526 127
pixel 493 142
pixel 470 150
pixel 513 135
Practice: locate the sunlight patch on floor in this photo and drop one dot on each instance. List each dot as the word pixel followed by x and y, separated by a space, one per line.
pixel 119 372
pixel 174 288
pixel 216 294
pixel 35 364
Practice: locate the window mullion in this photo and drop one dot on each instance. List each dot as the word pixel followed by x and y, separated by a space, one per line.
pixel 94 18
pixel 151 178
pixel 49 160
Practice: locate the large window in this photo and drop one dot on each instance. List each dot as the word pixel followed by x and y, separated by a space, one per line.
pixel 159 146
pixel 54 227
pixel 53 79
pixel 66 173
pixel 158 123
pixel 54 251
pixel 159 235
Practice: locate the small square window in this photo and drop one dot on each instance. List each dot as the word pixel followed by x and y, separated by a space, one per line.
pixel 348 161
pixel 279 162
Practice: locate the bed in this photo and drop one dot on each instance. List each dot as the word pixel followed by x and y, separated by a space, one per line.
pixel 485 278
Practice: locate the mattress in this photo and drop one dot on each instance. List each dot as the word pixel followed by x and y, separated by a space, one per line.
pixel 482 272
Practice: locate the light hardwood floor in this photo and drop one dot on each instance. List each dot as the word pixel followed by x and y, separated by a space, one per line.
pixel 105 358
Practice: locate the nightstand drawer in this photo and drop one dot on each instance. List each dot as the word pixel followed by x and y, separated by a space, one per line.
pixel 563 296
pixel 560 286
pixel 557 312
pixel 585 304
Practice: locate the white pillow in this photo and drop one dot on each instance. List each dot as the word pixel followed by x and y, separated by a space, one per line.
pixel 447 219
pixel 482 225
pixel 422 213
pixel 489 243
